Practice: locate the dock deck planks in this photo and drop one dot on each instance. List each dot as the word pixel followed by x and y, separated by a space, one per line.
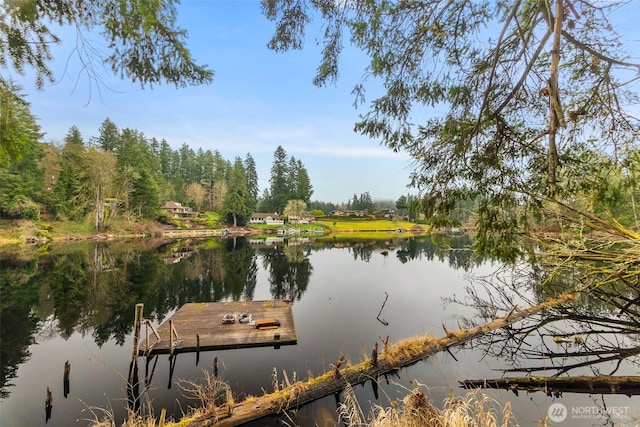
pixel 205 320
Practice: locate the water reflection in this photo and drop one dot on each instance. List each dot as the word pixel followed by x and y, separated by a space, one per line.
pixel 92 288
pixel 589 339
pixel 86 293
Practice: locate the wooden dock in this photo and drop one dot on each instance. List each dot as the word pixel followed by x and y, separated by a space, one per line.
pixel 199 327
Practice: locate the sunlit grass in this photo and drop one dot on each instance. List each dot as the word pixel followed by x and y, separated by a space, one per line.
pixel 212 219
pixel 365 225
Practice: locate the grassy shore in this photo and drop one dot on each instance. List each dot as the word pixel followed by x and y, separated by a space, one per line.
pixel 17 232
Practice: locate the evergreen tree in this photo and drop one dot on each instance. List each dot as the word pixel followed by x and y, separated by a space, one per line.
pixel 135 155
pixel 353 203
pixel 21 177
pixel 165 156
pixel 235 206
pixel 366 202
pixel 280 190
pixel 303 187
pixel 18 129
pixel 325 207
pixel 252 181
pixel 108 137
pixel 188 167
pixel 264 201
pixel 67 188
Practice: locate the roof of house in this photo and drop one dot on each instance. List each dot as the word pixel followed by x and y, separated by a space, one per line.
pixel 173 205
pixel 264 215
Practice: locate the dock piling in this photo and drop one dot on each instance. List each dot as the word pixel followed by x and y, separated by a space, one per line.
pixel 136 330
pixel 197 349
pixel 171 338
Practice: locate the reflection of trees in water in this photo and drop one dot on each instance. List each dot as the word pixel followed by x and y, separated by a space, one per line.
pixel 597 333
pixel 240 274
pixel 289 271
pixel 451 248
pixel 455 249
pixel 362 251
pixel 93 287
pixel 18 322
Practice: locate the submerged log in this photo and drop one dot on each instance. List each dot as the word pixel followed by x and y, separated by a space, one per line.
pixel 598 384
pixel 394 357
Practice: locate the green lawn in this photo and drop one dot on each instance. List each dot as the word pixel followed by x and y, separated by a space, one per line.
pixel 362 225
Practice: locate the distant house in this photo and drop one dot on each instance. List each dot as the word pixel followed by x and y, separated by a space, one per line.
pixel 176 210
pixel 347 212
pixel 266 218
pixel 302 219
pixel 388 213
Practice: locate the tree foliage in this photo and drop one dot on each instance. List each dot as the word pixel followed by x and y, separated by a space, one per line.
pixel 295 209
pixel 237 201
pixel 19 131
pixel 492 99
pixel 252 181
pixel 289 180
pixel 145 44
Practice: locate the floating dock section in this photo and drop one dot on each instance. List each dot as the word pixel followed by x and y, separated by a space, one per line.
pixel 199 327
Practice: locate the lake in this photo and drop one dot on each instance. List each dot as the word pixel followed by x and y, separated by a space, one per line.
pixel 74 303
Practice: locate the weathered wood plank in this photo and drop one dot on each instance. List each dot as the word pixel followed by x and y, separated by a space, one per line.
pixel 202 322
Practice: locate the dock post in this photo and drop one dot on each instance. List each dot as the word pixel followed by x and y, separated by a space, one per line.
pixel 65 378
pixel 197 348
pixel 171 338
pixel 136 330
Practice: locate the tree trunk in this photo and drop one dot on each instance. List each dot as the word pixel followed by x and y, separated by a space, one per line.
pixel 599 384
pixel 99 211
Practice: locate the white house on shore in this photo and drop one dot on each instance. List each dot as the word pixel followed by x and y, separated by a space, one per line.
pixel 266 218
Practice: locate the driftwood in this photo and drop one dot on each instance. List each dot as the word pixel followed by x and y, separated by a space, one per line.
pixel 599 384
pixel 393 358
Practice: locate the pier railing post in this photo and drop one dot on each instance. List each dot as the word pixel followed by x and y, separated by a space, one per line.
pixel 137 323
pixel 171 337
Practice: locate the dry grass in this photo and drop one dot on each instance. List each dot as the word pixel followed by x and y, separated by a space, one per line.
pixel 213 396
pixel 472 410
pixel 407 349
pixel 105 418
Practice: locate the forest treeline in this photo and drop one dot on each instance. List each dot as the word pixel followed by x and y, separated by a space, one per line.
pixel 122 172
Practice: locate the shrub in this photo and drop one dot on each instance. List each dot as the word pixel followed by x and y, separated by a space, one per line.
pixel 23 207
pixel 31 211
pixel 43 233
pixel 164 218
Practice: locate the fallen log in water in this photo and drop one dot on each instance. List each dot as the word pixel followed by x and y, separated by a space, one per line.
pixel 598 384
pixel 393 357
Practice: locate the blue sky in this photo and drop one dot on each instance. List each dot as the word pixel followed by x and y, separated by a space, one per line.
pixel 259 99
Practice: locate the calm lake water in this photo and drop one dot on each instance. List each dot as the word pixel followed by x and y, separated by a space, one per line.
pixel 75 303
